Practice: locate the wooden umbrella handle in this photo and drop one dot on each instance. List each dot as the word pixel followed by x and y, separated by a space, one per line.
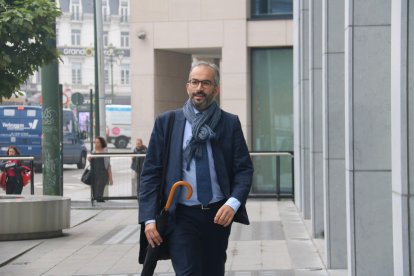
pixel 175 186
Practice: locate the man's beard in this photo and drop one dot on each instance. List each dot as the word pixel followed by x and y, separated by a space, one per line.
pixel 208 100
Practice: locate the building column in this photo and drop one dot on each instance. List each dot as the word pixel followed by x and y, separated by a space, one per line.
pixel 304 110
pixel 315 118
pixel 333 133
pixel 142 80
pixel 235 97
pixel 297 99
pixel 368 137
pixel 402 92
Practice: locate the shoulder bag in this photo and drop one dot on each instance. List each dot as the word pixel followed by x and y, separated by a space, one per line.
pixel 86 177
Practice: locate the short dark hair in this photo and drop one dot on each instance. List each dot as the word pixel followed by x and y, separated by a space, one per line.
pixel 102 140
pixel 215 68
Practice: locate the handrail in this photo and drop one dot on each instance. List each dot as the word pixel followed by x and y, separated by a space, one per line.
pixel 271 153
pixel 252 153
pixel 277 154
pixel 116 155
pixel 20 157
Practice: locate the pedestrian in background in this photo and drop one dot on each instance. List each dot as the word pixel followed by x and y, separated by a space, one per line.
pixel 12 169
pixel 136 164
pixel 101 169
pixel 208 150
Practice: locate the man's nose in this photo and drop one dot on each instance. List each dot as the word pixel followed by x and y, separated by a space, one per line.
pixel 200 85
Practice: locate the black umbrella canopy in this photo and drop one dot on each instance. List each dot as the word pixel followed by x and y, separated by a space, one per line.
pixel 161 252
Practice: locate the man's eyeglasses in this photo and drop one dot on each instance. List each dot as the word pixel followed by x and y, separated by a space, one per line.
pixel 195 83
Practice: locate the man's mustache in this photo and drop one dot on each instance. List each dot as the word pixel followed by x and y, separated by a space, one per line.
pixel 200 93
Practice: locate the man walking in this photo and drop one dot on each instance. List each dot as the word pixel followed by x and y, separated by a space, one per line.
pixel 136 164
pixel 208 150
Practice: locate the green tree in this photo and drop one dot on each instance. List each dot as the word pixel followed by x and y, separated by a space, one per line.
pixel 25 27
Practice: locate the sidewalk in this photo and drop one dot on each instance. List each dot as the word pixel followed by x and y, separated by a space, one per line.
pixel 103 240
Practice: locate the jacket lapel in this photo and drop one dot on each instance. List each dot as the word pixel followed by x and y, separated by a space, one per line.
pixel 219 162
pixel 175 160
pixel 177 143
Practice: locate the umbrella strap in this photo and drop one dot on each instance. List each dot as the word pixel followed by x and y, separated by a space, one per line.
pixel 171 118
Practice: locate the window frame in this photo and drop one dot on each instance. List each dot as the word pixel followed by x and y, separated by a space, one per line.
pixel 76 73
pixel 125 74
pixel 271 107
pixel 268 16
pixel 105 38
pixel 75 10
pixel 124 39
pixel 106 13
pixel 124 12
pixel 106 75
pixel 75 37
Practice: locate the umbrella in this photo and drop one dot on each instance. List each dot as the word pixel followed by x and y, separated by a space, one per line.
pixel 161 252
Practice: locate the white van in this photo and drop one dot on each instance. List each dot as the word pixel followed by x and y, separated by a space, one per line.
pixel 118 125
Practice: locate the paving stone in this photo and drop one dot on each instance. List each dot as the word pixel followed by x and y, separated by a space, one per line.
pixel 104 241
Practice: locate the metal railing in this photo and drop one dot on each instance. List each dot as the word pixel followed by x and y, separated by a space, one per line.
pixel 123 176
pixel 278 155
pixel 21 157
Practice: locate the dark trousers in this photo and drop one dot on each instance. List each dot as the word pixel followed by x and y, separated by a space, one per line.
pixel 198 245
pixel 13 187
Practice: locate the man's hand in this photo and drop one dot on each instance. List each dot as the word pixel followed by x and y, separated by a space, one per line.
pixel 153 237
pixel 224 215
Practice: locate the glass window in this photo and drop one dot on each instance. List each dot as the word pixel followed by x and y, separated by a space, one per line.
pixel 125 39
pixel 9 112
pixel 31 113
pixel 75 13
pixel 124 12
pixel 105 39
pixel 106 74
pixel 262 9
pixel 76 37
pixel 68 127
pixel 272 118
pixel 125 74
pixel 105 11
pixel 76 73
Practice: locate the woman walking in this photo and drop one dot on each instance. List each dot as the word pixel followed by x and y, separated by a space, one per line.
pixel 12 169
pixel 101 168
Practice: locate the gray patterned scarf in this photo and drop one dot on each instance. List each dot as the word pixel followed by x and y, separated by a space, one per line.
pixel 202 128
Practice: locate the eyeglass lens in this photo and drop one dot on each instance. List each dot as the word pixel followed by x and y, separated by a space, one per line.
pixel 195 82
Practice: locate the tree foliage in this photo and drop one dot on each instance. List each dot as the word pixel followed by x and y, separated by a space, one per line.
pixel 25 29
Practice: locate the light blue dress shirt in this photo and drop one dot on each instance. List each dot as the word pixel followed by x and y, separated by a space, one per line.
pixel 190 176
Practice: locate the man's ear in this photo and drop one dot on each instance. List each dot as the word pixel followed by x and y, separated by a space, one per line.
pixel 216 90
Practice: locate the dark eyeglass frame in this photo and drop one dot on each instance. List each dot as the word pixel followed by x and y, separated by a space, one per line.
pixel 195 83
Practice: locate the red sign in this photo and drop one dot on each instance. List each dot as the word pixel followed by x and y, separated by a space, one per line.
pixel 116 131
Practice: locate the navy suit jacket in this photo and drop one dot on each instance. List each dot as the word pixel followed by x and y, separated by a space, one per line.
pixel 231 160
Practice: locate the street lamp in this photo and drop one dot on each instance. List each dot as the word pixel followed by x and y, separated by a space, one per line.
pixel 112 53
